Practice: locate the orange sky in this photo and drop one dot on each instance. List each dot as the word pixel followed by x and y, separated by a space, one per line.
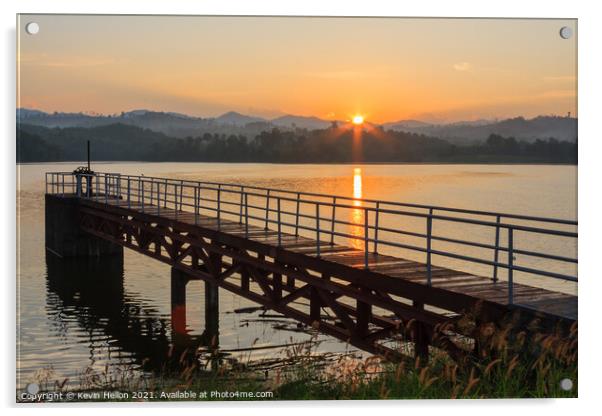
pixel 385 68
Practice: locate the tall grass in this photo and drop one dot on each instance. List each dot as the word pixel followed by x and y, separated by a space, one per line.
pixel 508 363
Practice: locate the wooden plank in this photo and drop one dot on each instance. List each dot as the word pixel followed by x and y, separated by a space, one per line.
pixel 453 282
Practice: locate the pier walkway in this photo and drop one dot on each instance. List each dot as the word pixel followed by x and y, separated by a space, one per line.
pixel 306 255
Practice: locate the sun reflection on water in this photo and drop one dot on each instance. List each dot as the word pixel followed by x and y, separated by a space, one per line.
pixel 357 214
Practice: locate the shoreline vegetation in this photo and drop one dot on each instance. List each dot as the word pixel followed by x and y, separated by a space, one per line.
pixel 118 142
pixel 100 162
pixel 510 362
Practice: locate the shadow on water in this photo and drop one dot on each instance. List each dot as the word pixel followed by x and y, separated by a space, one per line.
pixel 90 291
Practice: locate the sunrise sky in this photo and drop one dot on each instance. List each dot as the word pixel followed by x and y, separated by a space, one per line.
pixel 386 69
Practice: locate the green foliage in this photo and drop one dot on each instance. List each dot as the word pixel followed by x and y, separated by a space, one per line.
pixel 509 364
pixel 32 148
pixel 332 145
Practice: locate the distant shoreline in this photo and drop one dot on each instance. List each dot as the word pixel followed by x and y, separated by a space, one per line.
pixel 83 162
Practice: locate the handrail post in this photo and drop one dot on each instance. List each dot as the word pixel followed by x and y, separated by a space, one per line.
pixel 497 244
pixel 175 200
pixel 129 193
pixel 279 224
pixel 97 182
pixel 242 190
pixel 219 205
pixel 366 237
pixel 106 190
pixel 246 215
pixel 181 208
pixel 119 187
pixel 510 266
pixel 152 190
pixel 332 220
pixel 429 231
pixel 165 195
pixel 317 229
pixel 376 215
pixel 267 209
pixel 142 192
pixel 158 198
pixel 199 198
pixel 196 206
pixel 297 214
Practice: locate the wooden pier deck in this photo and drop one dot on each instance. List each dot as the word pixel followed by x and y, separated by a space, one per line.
pixel 456 282
pixel 372 295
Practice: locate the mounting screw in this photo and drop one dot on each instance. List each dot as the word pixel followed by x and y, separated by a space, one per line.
pixel 566 32
pixel 32 28
pixel 566 384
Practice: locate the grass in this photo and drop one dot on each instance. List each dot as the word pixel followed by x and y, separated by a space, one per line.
pixel 509 364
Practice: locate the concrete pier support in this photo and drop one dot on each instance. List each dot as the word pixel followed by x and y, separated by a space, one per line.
pixel 64 237
pixel 420 336
pixel 179 280
pixel 212 312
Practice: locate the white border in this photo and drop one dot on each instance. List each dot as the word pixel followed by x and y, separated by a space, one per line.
pixel 590 153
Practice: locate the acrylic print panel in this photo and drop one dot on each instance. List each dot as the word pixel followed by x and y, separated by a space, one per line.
pixel 276 208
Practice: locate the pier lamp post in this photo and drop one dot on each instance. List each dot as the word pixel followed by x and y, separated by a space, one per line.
pixel 84 172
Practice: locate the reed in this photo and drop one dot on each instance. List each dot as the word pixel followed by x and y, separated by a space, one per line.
pixel 510 362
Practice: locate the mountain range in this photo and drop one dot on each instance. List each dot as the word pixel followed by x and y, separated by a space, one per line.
pixel 181 125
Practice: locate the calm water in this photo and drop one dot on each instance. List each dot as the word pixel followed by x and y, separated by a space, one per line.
pixel 74 315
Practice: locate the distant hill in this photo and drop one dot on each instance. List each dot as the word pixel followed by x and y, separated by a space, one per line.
pixel 542 127
pixel 233 123
pixel 237 119
pixel 169 123
pixel 173 124
pixel 310 123
pixel 122 142
pixel 110 142
pixel 405 124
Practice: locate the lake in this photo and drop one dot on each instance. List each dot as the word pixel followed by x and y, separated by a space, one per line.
pixel 114 316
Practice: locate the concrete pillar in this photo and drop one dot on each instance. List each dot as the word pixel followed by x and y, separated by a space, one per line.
pixel 64 237
pixel 179 280
pixel 212 301
pixel 421 341
pixel 212 312
pixel 277 286
pixel 420 336
pixel 315 305
pixel 244 279
pixel 364 315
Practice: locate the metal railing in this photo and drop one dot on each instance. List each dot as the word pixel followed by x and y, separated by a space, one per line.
pixel 374 223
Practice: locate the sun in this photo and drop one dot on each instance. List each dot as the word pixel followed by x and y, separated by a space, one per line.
pixel 358 119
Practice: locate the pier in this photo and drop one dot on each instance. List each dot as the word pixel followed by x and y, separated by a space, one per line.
pixel 379 268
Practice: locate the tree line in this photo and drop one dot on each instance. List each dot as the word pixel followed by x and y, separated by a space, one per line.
pixel 333 145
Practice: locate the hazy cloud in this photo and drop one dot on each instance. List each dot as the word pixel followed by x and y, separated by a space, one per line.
pixel 463 66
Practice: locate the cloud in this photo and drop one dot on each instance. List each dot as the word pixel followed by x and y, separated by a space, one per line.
pixel 463 66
